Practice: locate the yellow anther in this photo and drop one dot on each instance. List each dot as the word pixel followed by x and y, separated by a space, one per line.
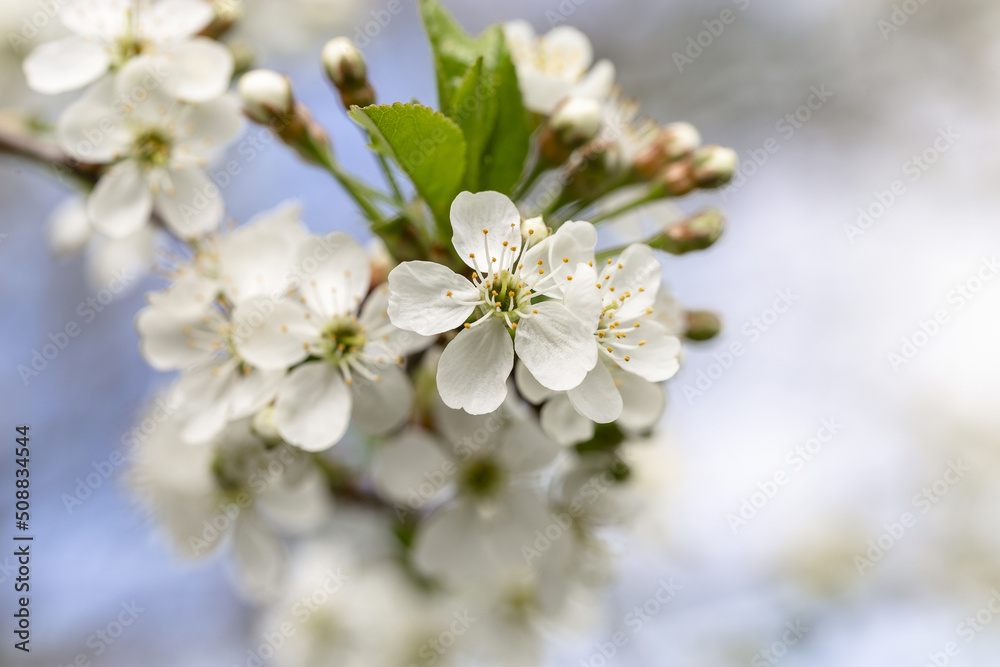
pixel 284 328
pixel 565 260
pixel 642 342
pixel 626 357
pixel 608 348
pixel 448 293
pixel 534 311
pixel 468 326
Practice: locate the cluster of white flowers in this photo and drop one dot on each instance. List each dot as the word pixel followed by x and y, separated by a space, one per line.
pixel 475 394
pixel 154 110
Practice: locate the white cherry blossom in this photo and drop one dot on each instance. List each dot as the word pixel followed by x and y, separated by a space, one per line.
pixel 235 491
pixel 555 66
pixel 345 356
pixel 553 337
pixel 156 148
pixel 636 348
pixel 488 463
pixel 109 33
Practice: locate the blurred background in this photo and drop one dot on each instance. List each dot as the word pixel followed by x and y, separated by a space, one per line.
pixel 833 454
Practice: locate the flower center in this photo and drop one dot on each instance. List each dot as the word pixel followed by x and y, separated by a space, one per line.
pixel 343 338
pixel 482 478
pixel 152 148
pixel 503 296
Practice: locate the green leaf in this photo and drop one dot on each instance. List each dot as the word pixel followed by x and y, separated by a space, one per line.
pixel 454 50
pixel 475 111
pixel 507 150
pixel 425 144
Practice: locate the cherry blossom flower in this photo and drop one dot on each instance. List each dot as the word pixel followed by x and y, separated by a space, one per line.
pixel 186 326
pixel 344 355
pixel 637 350
pixel 236 491
pixel 555 66
pixel 487 462
pixel 108 33
pixel 155 147
pixel 553 337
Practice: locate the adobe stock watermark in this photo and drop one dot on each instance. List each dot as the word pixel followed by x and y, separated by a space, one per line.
pixel 923 502
pixel 299 615
pixel 752 330
pixel 633 623
pixel 898 17
pixel 796 460
pixel 703 40
pixel 772 655
pixel 86 485
pixel 32 24
pixel 929 328
pixel 104 637
pixel 785 127
pixel 967 631
pixel 912 171
pixel 57 341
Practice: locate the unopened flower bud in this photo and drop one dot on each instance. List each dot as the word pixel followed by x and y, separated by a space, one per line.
pixel 264 425
pixel 266 95
pixel 575 122
pixel 702 325
pixel 697 232
pixel 677 179
pixel 673 142
pixel 533 230
pixel 713 166
pixel 346 68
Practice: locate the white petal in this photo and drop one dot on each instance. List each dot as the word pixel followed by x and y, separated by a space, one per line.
pixel 251 391
pixel 556 347
pixel 298 507
pixel 490 211
pixel 412 469
pixel 260 557
pixel 393 341
pixel 169 342
pixel 639 275
pixel 583 298
pixel 313 407
pixel 121 202
pixel 451 543
pixel 525 448
pixel 528 386
pixel 598 83
pixel 189 202
pixel 273 335
pixel 200 69
pixel 171 20
pixel 465 433
pixel 336 274
pixel 517 515
pixel 473 369
pixel 102 21
pixel 122 261
pixel 188 296
pixel 656 360
pixel 643 402
pixel 520 36
pixel 429 298
pixel 257 258
pixel 560 256
pixel 203 129
pixel 563 423
pixel 382 406
pixel 597 397
pixel 66 64
pixel 142 96
pixel 69 229
pixel 90 129
pixel 542 92
pixel 569 47
pixel 203 393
